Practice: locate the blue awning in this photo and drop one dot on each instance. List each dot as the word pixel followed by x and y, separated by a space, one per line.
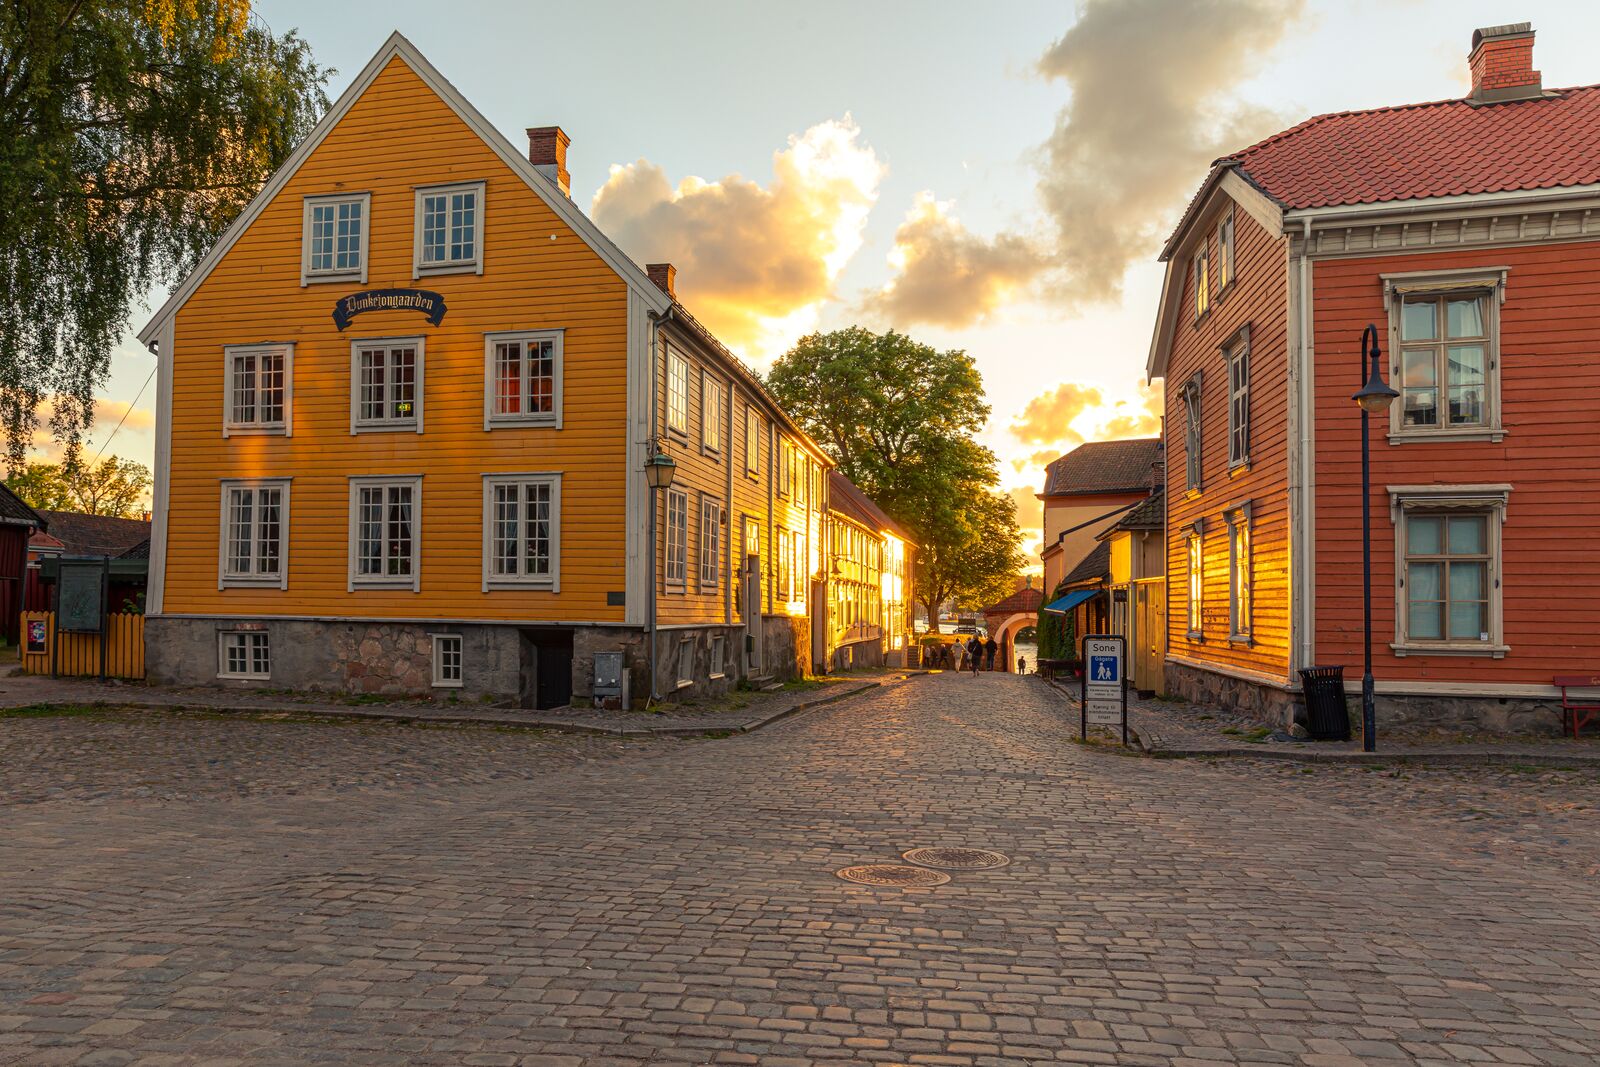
pixel 1070 601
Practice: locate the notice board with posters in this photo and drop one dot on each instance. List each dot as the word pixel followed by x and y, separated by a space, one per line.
pixel 81 596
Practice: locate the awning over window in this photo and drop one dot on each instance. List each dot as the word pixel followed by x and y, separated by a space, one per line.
pixel 1065 604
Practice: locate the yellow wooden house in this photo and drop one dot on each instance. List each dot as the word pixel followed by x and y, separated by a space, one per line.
pixel 406 406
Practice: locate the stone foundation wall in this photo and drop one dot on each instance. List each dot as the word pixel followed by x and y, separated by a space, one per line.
pixel 1280 709
pixel 787 646
pixel 865 653
pixel 701 683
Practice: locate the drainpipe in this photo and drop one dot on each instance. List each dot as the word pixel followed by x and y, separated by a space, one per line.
pixel 658 318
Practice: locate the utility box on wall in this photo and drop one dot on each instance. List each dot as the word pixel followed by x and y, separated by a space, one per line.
pixel 610 681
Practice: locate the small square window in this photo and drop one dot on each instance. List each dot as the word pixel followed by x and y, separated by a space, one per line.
pixel 245 654
pixel 334 241
pixel 447 661
pixel 449 229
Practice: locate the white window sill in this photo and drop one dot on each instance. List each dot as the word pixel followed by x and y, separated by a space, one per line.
pixel 330 277
pixel 547 584
pixel 419 271
pixel 1409 437
pixel 1238 468
pixel 1241 639
pixel 256 430
pixel 717 677
pixel 1196 635
pixel 447 685
pixel 410 426
pixel 496 422
pixel 1474 648
pixel 684 683
pixel 1192 493
pixel 252 581
pixel 244 677
pixel 407 584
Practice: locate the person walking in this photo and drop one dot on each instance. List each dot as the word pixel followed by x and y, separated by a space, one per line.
pixel 991 648
pixel 975 652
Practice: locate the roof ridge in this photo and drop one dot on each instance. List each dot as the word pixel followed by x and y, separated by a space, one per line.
pixel 1238 156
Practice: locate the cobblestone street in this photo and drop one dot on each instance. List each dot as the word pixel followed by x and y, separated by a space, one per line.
pixel 190 889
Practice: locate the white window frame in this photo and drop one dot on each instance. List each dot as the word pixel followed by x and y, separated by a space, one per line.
pixel 493 420
pixel 550 582
pixel 710 562
pixel 1236 355
pixel 710 414
pixel 474 265
pixel 440 645
pixel 783 588
pixel 675 541
pixel 356 580
pixel 752 441
pixel 1196 577
pixel 685 665
pixel 281 428
pixel 1227 263
pixel 225 637
pixel 785 466
pixel 413 423
pixel 1193 435
pixel 1484 281
pixel 1241 574
pixel 719 656
pixel 311 277
pixel 1491 500
pixel 677 406
pixel 228 578
pixel 1200 267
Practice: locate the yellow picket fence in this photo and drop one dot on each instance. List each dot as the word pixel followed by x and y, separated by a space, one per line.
pixel 80 654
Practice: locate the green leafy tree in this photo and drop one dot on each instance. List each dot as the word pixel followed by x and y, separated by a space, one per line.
pixel 115 487
pixel 131 133
pixel 900 418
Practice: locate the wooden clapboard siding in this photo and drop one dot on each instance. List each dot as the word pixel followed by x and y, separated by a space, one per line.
pixel 1550 389
pixel 700 475
pixel 538 273
pixel 80 654
pixel 1257 297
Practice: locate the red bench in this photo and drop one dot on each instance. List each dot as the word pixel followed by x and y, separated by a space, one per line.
pixel 1577 711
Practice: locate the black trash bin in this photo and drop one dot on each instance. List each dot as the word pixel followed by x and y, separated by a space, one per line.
pixel 1329 720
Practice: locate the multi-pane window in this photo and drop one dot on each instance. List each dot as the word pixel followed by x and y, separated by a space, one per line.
pixel 801 568
pixel 522 520
pixel 785 590
pixel 1191 433
pixel 710 543
pixel 711 414
pixel 1202 282
pixel 1444 361
pixel 524 378
pixel 676 571
pixel 785 466
pixel 257 388
pixel 387 376
pixel 245 654
pixel 677 392
pixel 335 237
pixel 685 662
pixel 1238 357
pixel 1240 579
pixel 447 661
pixel 719 655
pixel 1196 583
pixel 1447 576
pixel 448 225
pixel 255 526
pixel 1224 252
pixel 752 441
pixel 383 546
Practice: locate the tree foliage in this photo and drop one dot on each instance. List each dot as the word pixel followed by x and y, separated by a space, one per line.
pixel 114 486
pixel 131 133
pixel 900 417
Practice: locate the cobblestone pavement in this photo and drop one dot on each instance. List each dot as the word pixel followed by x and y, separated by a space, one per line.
pixel 186 890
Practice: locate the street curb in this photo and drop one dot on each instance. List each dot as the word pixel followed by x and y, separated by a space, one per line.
pixel 556 725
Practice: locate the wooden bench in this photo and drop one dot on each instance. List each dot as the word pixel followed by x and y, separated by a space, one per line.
pixel 1576 712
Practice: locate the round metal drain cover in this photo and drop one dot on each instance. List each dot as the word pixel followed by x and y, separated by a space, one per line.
pixel 956 859
pixel 894 875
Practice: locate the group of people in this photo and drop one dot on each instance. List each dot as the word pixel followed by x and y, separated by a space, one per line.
pixel 969 655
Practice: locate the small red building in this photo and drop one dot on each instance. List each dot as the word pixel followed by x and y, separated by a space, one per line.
pixel 1468 231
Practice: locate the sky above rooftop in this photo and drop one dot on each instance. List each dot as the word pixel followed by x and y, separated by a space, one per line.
pixel 992 177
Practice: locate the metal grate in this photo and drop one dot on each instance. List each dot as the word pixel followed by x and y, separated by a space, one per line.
pixel 894 875
pixel 956 859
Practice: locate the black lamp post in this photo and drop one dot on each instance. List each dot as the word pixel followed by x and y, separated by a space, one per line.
pixel 1375 396
pixel 659 470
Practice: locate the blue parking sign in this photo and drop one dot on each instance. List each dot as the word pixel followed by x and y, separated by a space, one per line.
pixel 1103 669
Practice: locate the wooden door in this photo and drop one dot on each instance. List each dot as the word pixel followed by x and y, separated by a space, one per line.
pixel 1150 634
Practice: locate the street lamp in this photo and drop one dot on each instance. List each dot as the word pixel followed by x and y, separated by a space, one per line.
pixel 1374 397
pixel 659 470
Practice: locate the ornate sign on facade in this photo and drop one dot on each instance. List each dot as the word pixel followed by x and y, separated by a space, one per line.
pixel 429 303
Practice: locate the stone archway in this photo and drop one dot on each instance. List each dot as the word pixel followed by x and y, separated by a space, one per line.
pixel 1006 631
pixel 1010 615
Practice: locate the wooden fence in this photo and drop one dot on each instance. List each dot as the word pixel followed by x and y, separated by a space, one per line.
pixel 80 654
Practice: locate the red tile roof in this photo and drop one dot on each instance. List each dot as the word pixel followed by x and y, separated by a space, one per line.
pixel 1024 600
pixel 1444 148
pixel 1104 467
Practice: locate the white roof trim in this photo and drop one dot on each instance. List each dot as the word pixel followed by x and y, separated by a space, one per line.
pixel 397 45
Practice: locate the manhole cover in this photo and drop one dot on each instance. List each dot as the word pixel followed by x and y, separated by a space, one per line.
pixel 956 859
pixel 896 875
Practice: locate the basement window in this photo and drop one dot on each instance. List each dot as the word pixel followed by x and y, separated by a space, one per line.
pixel 244 654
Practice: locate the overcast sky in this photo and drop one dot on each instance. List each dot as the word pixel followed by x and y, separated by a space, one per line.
pixel 994 177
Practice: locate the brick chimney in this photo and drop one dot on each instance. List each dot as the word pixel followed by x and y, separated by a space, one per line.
pixel 547 150
pixel 1502 64
pixel 665 275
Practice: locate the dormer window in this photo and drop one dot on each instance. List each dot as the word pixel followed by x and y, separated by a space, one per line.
pixel 334 242
pixel 449 230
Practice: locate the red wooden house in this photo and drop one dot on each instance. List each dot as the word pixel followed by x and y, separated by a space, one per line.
pixel 1468 231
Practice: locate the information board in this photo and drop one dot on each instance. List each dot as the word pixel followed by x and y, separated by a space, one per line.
pixel 80 596
pixel 1105 693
